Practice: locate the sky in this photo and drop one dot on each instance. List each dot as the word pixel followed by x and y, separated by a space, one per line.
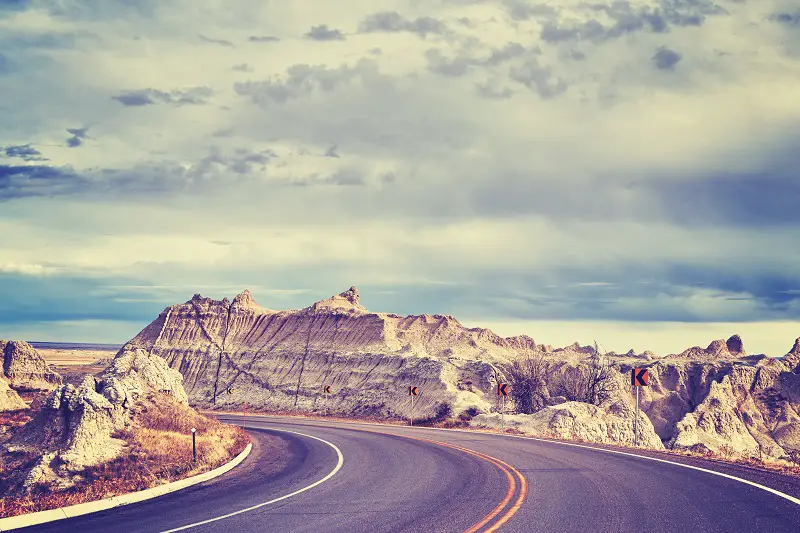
pixel 624 171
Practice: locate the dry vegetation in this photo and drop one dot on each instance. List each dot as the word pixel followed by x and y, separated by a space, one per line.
pixel 159 450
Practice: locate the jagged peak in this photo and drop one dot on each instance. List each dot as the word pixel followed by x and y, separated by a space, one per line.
pixel 796 348
pixel 351 295
pixel 735 345
pixel 245 299
pixel 348 300
pixel 717 347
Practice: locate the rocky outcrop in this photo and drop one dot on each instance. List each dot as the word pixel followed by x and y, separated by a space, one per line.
pixel 281 360
pixel 733 348
pixel 75 427
pixel 581 421
pixel 792 359
pixel 9 399
pixel 25 368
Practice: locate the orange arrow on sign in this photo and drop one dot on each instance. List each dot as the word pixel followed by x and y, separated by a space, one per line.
pixel 413 391
pixel 502 389
pixel 640 377
pixel 327 389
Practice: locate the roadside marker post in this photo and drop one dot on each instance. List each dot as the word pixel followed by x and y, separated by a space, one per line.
pixel 640 377
pixel 327 389
pixel 502 391
pixel 194 445
pixel 412 391
pixel 244 415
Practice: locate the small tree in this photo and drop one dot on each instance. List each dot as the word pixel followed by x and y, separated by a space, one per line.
pixel 528 378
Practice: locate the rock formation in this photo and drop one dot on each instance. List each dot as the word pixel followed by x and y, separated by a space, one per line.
pixel 75 427
pixel 281 360
pixel 733 348
pixel 581 421
pixel 25 368
pixel 9 399
pixel 702 398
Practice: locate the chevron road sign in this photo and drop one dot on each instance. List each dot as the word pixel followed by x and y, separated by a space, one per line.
pixel 640 377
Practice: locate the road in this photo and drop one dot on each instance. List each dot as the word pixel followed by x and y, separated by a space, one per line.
pixel 395 478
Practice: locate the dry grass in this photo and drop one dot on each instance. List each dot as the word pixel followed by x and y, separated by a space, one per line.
pixel 159 450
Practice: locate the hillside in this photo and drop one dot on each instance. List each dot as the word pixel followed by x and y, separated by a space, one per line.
pixel 231 352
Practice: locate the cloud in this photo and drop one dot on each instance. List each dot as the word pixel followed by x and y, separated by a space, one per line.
pixel 221 42
pixel 242 67
pixel 788 19
pixel 78 135
pixel 176 97
pixel 333 151
pixel 262 39
pixel 392 22
pixel 302 80
pixel 666 59
pixel 324 33
pixel 539 79
pixel 26 152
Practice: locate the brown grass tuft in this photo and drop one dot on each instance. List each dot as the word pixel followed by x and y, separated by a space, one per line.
pixel 159 450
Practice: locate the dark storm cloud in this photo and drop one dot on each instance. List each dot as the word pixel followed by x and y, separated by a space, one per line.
pixel 393 22
pixel 666 59
pixel 78 135
pixel 221 42
pixel 640 291
pixel 37 180
pixel 324 33
pixel 216 170
pixel 26 152
pixel 176 97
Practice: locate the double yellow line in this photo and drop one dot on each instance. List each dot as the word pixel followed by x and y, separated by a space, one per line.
pixel 504 510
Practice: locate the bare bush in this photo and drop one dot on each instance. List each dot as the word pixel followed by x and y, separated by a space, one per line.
pixel 726 451
pixel 528 378
pixel 592 383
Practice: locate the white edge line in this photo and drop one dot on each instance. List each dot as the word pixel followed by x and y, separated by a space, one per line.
pixel 526 437
pixel 80 509
pixel 332 473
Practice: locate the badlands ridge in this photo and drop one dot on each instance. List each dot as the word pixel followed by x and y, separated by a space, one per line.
pixel 712 398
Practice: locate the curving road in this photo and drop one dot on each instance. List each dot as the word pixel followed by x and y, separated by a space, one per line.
pixel 415 479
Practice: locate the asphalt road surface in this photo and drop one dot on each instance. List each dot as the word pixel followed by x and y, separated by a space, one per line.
pixel 368 478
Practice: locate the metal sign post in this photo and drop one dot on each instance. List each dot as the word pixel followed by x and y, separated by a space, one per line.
pixel 244 415
pixel 502 391
pixel 194 445
pixel 640 377
pixel 412 391
pixel 502 414
pixel 636 421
